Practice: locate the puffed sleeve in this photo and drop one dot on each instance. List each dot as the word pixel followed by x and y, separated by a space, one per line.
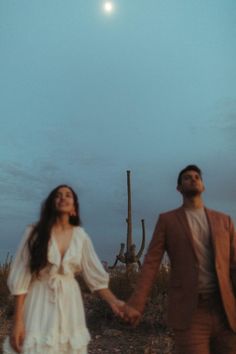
pixel 20 276
pixel 93 271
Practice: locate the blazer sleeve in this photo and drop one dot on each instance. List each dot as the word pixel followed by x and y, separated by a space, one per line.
pixel 20 276
pixel 150 267
pixel 232 254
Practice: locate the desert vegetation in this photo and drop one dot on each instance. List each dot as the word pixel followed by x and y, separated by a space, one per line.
pixel 109 334
pixel 6 301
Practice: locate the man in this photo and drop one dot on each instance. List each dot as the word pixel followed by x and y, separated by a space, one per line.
pixel 201 245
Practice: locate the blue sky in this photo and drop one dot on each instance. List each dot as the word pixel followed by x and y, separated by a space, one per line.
pixel 86 96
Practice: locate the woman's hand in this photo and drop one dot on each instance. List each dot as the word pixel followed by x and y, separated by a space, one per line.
pixel 17 336
pixel 117 307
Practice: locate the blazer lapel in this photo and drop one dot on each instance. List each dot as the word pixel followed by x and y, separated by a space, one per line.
pixel 187 231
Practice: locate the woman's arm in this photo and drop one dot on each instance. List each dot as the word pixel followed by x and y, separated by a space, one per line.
pixel 18 329
pixel 116 305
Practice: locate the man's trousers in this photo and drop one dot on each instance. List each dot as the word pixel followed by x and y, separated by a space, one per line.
pixel 209 332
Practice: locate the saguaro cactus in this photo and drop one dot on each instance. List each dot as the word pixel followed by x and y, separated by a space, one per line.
pixel 130 256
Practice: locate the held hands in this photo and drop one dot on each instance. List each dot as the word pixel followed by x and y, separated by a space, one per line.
pixel 117 307
pixel 131 315
pixel 126 312
pixel 17 336
pixel 120 308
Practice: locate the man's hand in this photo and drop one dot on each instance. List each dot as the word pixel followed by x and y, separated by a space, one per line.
pixel 17 336
pixel 131 315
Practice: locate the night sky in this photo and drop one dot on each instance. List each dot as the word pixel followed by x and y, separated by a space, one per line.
pixel 87 95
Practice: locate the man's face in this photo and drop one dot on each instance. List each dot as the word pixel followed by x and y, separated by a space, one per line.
pixel 191 184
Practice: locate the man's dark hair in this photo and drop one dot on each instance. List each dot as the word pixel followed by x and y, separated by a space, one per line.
pixel 188 168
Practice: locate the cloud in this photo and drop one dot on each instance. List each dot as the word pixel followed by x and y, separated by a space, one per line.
pixel 224 120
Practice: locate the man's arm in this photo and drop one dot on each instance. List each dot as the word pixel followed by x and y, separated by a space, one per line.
pixel 149 268
pixel 232 254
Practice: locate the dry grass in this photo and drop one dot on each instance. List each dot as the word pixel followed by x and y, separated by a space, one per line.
pixel 6 301
pixel 122 283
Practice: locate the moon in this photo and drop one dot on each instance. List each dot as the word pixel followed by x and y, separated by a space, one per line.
pixel 108 6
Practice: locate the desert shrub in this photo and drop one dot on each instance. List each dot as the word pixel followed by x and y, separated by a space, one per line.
pixel 4 270
pixel 156 309
pixel 122 283
pixel 6 301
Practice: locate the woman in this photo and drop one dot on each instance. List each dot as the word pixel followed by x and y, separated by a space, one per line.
pixel 49 314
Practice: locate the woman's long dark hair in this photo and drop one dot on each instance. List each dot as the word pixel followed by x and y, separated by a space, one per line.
pixel 40 235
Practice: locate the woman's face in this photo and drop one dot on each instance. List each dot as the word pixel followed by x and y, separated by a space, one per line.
pixel 64 201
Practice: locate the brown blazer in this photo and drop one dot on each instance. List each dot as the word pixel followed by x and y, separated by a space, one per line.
pixel 172 234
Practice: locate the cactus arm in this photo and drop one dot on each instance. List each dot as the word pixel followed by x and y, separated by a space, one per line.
pixel 129 217
pixel 143 240
pixel 120 257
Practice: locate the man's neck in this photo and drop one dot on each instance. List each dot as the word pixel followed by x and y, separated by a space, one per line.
pixel 193 203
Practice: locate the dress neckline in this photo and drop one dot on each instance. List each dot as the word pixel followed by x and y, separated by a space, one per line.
pixel 62 257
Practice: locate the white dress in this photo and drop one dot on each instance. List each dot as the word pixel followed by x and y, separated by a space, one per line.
pixel 54 312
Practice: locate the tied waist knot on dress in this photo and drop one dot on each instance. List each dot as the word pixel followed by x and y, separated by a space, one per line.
pixel 57 274
pixel 57 281
pixel 56 284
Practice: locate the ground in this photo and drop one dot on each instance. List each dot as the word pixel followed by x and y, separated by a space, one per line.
pixel 109 335
pixel 125 340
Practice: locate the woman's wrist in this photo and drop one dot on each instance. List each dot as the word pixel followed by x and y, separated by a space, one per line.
pixel 18 317
pixel 107 295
